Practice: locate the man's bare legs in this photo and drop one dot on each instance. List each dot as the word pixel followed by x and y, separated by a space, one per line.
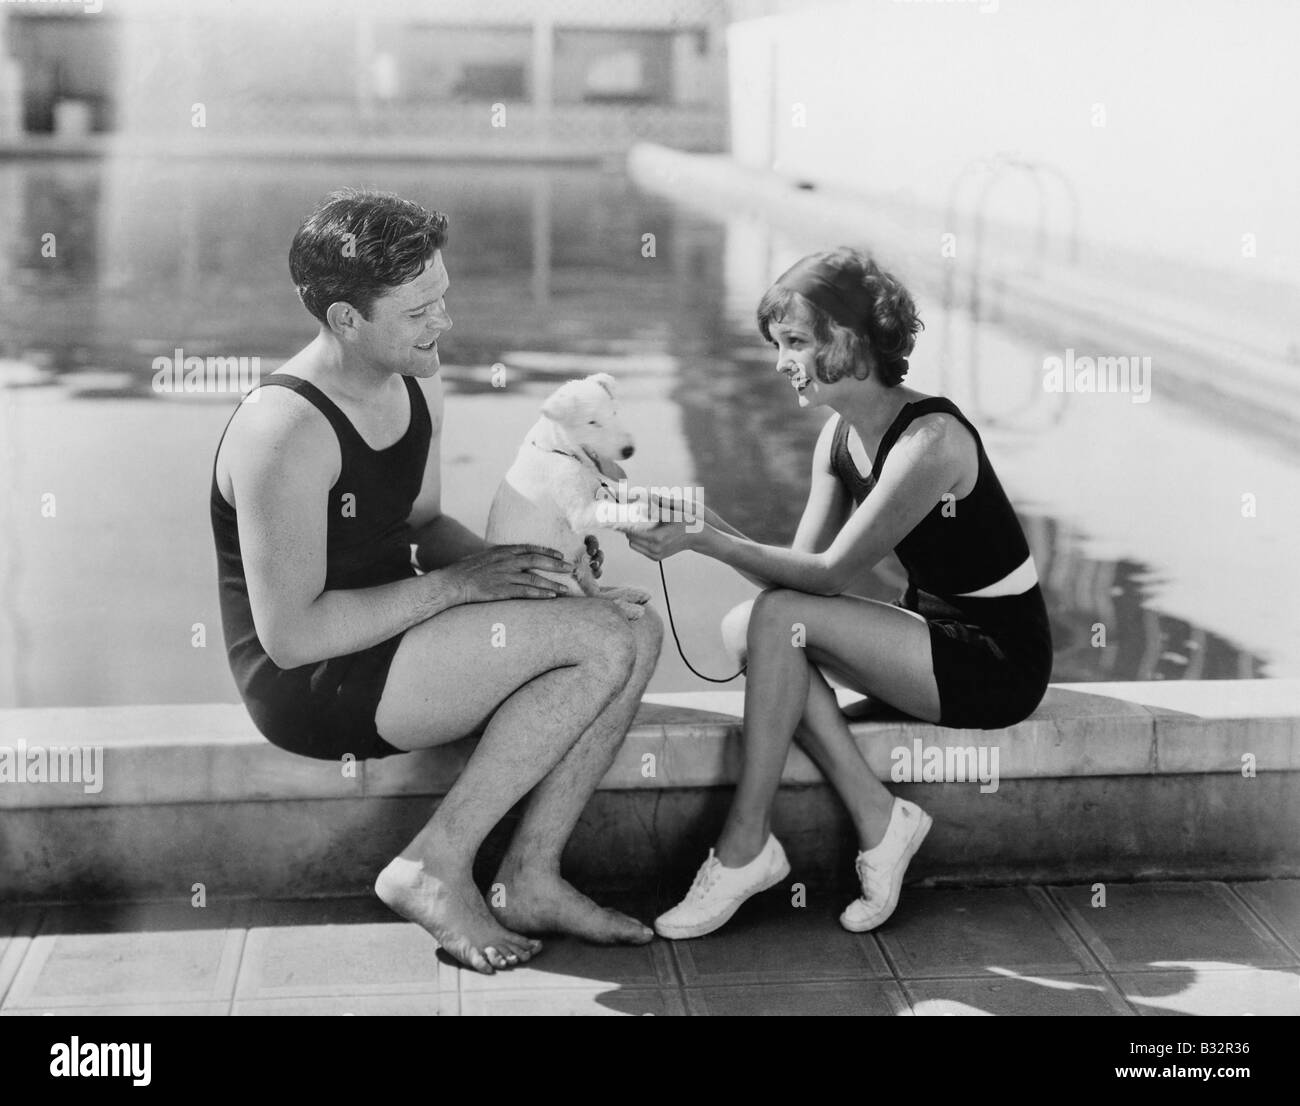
pixel 539 673
pixel 536 898
pixel 879 649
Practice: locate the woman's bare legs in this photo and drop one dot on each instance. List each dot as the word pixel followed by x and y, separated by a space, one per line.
pixel 879 649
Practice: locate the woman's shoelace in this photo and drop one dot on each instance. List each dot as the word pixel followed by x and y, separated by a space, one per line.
pixel 706 876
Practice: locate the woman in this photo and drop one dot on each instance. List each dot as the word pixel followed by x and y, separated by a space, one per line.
pixel 967 646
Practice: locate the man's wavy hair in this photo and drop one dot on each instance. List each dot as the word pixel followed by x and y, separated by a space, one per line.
pixel 884 341
pixel 358 245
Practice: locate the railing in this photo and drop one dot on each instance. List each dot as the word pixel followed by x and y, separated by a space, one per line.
pixel 995 171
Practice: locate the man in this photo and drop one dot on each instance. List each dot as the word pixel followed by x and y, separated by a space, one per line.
pixel 339 647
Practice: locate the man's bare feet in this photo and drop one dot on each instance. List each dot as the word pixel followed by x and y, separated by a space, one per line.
pixel 539 902
pixel 455 914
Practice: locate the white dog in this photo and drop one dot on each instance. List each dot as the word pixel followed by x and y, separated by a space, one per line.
pixel 564 484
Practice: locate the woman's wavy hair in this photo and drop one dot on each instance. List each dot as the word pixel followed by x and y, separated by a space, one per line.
pixel 884 341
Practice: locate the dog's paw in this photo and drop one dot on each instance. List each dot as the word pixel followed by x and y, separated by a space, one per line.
pixel 627 519
pixel 641 525
pixel 627 594
pixel 629 609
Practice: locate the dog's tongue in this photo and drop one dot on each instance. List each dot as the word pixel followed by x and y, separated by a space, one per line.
pixel 611 470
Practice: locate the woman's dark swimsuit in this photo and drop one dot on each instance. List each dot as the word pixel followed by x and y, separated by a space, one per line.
pixel 327 709
pixel 993 656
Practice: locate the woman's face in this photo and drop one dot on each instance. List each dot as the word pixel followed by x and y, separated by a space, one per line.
pixel 796 358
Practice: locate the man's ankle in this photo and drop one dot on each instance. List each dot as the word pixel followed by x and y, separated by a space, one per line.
pixel 438 859
pixel 531 864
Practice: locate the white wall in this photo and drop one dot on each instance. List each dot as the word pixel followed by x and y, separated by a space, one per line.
pixel 1201 135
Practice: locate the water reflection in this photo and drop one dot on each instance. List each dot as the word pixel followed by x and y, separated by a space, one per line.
pixel 550 269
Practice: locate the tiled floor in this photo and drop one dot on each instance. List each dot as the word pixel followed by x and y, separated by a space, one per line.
pixel 1152 948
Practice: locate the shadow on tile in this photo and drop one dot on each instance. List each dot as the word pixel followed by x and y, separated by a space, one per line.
pixel 369 1005
pixel 1073 996
pixel 772 940
pixel 1148 926
pixel 129 954
pixel 845 998
pixel 1213 990
pixel 1277 901
pixel 944 934
pixel 532 1002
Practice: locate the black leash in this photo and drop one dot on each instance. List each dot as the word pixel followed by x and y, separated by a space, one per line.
pixel 668 605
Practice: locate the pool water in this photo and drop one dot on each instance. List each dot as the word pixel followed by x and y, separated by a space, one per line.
pixel 107 577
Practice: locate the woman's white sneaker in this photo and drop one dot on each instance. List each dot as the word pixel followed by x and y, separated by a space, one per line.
pixel 718 892
pixel 881 870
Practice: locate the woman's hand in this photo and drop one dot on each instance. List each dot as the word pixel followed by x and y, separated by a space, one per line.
pixel 663 541
pixel 679 508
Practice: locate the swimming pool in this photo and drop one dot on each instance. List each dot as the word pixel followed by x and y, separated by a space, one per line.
pixel 107 581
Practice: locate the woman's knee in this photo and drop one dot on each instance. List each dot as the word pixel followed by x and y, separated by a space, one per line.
pixel 773 612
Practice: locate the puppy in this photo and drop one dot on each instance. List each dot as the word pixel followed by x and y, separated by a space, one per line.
pixel 564 484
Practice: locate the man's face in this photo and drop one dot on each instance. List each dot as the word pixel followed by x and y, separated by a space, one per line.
pixel 405 323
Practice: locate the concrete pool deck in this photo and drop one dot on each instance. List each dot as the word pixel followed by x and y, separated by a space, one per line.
pixel 1183 780
pixel 1148 949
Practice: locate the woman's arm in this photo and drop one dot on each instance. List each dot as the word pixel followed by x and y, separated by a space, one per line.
pixel 824 511
pixel 828 503
pixel 928 461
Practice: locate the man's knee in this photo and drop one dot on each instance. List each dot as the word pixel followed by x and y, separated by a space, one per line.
pixel 608 637
pixel 649 633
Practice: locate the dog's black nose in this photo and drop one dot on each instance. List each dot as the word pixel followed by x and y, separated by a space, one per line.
pixel 628 450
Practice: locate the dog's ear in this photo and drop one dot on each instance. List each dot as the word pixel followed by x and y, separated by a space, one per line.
pixel 605 381
pixel 561 404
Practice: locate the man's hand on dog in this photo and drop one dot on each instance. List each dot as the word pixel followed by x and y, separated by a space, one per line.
pixel 507 572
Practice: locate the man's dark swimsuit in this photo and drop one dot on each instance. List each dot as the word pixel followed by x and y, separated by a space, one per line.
pixel 992 656
pixel 327 709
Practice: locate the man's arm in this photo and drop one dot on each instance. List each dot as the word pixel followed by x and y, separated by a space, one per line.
pixel 439 539
pixel 282 462
pixel 442 541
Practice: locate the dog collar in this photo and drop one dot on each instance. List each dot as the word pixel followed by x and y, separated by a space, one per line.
pixel 604 480
pixel 561 452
